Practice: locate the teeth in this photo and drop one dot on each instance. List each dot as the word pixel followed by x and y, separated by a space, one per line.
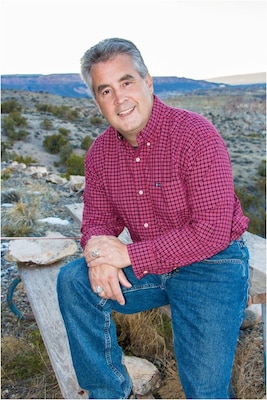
pixel 126 111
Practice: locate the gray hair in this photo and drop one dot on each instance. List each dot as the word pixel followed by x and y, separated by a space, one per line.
pixel 106 50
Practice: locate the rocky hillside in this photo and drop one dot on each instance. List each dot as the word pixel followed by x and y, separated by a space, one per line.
pixel 239 115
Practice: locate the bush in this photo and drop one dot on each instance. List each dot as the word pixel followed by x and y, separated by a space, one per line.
pixel 86 142
pixel 75 165
pixel 54 143
pixel 252 198
pixel 19 220
pixel 96 120
pixel 65 153
pixel 25 160
pixel 262 169
pixel 10 106
pixel 11 122
pixel 63 112
pixel 47 124
pixel 64 131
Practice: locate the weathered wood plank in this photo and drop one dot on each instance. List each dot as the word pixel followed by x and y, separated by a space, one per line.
pixel 40 285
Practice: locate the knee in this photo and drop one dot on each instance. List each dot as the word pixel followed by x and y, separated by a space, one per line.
pixel 69 275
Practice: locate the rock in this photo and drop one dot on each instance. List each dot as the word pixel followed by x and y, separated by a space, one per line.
pixel 41 251
pixel 37 171
pixel 52 221
pixel 251 319
pixel 77 182
pixel 145 376
pixel 15 166
pixel 54 178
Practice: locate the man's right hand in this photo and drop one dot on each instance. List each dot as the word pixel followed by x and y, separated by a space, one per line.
pixel 109 278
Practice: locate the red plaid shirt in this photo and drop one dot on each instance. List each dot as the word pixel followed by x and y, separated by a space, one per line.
pixel 174 192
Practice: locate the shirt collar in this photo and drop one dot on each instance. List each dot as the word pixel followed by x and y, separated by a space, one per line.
pixel 152 129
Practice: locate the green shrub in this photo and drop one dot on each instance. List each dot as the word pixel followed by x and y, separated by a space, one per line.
pixel 13 121
pixel 262 169
pixel 10 106
pixel 53 143
pixel 96 120
pixel 26 160
pixel 18 119
pixel 65 153
pixel 75 165
pixel 64 131
pixel 252 198
pixel 86 142
pixel 47 124
pixel 63 112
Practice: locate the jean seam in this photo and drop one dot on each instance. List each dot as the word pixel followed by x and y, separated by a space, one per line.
pixel 108 347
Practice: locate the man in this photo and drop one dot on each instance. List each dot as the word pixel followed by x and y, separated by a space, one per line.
pixel 165 174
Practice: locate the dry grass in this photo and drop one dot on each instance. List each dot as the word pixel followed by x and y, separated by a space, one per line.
pixel 27 372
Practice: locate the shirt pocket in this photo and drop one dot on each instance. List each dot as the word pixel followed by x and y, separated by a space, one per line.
pixel 170 202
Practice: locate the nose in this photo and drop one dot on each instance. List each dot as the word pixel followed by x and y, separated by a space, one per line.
pixel 119 96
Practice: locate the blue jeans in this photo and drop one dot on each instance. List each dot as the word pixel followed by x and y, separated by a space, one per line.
pixel 207 301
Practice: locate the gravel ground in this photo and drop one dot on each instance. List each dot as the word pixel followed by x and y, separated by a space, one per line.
pixel 59 196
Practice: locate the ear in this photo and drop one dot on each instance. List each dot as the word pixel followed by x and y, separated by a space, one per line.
pixel 149 82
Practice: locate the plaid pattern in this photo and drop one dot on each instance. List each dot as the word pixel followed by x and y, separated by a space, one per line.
pixel 174 192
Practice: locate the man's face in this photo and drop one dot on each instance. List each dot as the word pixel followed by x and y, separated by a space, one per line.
pixel 124 98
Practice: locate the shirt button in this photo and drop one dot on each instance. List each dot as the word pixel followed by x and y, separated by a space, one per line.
pixel 146 225
pixel 140 192
pixel 137 159
pixel 145 272
pixel 148 143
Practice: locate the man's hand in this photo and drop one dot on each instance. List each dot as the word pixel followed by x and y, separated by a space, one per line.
pixel 105 257
pixel 109 279
pixel 110 250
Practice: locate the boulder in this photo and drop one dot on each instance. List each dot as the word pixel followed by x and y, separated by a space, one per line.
pixel 41 251
pixel 145 376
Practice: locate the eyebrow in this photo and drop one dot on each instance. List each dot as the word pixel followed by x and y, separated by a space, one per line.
pixel 123 78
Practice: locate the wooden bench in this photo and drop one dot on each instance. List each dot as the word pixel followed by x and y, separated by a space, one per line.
pixel 40 285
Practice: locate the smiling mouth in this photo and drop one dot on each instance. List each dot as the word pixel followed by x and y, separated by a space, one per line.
pixel 126 112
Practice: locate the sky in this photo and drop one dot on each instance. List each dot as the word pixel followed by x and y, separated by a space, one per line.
pixel 186 38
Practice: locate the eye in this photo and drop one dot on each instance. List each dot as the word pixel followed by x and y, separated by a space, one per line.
pixel 106 92
pixel 127 83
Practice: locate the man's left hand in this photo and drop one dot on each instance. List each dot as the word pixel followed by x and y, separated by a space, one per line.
pixel 106 250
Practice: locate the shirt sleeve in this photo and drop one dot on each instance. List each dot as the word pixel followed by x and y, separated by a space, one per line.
pixel 99 217
pixel 211 202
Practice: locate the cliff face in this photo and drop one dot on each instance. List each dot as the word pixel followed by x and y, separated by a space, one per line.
pixel 71 85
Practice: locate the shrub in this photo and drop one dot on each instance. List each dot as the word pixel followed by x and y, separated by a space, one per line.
pixel 10 106
pixel 63 112
pixel 11 122
pixel 75 165
pixel 54 143
pixel 65 153
pixel 19 220
pixel 26 160
pixel 252 198
pixel 96 120
pixel 18 119
pixel 86 142
pixel 47 124
pixel 64 131
pixel 262 169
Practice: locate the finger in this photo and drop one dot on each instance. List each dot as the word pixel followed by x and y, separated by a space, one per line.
pixel 116 292
pixel 123 280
